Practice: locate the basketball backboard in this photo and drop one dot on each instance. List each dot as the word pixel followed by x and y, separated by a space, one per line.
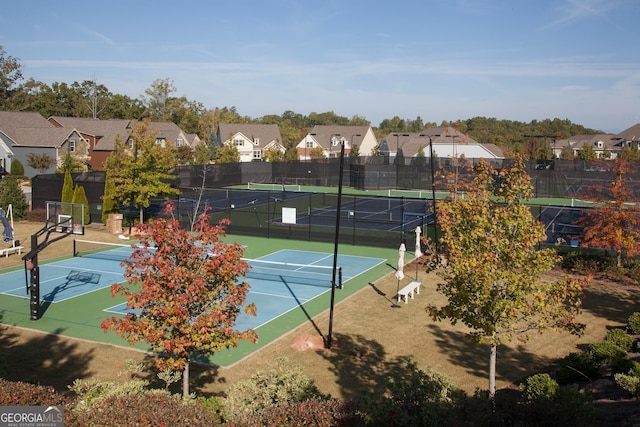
pixel 66 218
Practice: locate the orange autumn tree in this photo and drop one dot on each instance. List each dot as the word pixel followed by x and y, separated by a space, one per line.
pixel 490 241
pixel 183 293
pixel 614 223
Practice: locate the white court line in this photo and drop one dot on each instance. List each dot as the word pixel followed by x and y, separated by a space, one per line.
pixel 86 269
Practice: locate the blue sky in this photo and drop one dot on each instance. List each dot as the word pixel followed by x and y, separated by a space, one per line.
pixel 437 59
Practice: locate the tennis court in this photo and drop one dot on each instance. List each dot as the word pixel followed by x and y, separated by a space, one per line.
pixel 290 284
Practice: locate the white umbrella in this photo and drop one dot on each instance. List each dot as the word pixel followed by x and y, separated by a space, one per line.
pixel 418 251
pixel 400 270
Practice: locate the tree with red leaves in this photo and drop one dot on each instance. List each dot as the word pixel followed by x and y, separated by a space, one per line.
pixel 183 293
pixel 614 222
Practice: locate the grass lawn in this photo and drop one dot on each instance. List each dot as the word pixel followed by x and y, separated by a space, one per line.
pixel 372 341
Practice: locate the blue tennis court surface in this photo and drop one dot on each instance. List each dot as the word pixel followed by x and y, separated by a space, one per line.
pixel 288 286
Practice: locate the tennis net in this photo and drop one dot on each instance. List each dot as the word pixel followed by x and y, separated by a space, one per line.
pixel 286 272
pixel 102 250
pixel 283 272
pixel 274 186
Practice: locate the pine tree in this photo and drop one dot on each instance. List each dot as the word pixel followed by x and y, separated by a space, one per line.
pixel 17 169
pixel 109 205
pixel 80 197
pixel 67 188
pixel 12 194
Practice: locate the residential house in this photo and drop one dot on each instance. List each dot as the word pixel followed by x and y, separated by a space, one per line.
pixel 445 141
pixel 330 138
pixel 171 132
pixel 102 134
pixel 23 133
pixel 604 145
pixel 629 137
pixel 251 140
pixel 99 134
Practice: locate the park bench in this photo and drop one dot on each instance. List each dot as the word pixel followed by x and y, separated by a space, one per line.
pixel 409 290
pixel 13 249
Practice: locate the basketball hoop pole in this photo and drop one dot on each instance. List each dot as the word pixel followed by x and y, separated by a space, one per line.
pixel 33 286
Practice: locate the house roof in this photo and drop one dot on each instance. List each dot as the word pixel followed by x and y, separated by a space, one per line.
pixel 446 141
pixel 630 134
pixel 42 137
pixel 264 134
pixel 576 142
pixel 105 131
pixel 166 130
pixel 12 122
pixel 323 133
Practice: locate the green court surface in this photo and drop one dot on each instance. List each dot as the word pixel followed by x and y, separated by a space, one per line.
pixel 80 316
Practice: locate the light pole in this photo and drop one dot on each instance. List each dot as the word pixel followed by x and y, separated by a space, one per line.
pixel 398 135
pixel 351 142
pixel 455 160
pixel 332 139
pixel 335 245
pixel 433 193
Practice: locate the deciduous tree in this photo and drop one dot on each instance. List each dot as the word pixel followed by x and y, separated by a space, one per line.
pixel 614 222
pixel 228 154
pixel 492 275
pixel 40 162
pixel 10 75
pixel 140 172
pixel 184 296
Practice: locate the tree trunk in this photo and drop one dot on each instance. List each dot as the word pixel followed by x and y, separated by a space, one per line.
pixel 141 215
pixel 185 380
pixel 492 371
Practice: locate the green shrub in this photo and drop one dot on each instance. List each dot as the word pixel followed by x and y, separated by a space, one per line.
pixel 620 338
pixel 629 381
pixel 624 366
pixel 280 386
pixel 633 323
pixel 577 367
pixel 92 391
pixel 587 263
pixel 17 169
pixel 539 386
pixel 569 407
pixel 605 351
pixel 418 399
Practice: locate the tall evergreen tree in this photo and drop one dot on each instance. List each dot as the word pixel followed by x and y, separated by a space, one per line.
pixel 12 194
pixel 67 188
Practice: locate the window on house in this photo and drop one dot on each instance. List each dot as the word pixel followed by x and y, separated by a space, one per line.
pixel 238 142
pixel 179 142
pixel 257 154
pixel 72 145
pixel 256 141
pixel 160 141
pixel 309 144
